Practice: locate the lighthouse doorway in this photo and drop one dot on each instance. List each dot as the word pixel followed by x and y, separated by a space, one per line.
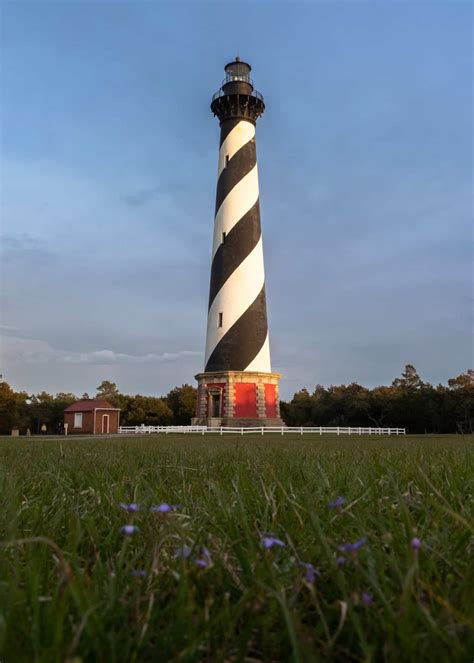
pixel 215 405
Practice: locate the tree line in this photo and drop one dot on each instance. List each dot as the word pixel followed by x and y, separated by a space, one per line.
pixel 24 411
pixel 407 403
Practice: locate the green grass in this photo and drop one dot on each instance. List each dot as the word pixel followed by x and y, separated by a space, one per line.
pixel 70 596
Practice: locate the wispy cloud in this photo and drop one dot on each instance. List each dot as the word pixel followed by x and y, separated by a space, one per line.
pixel 36 351
pixel 13 244
pixel 111 357
pixel 9 328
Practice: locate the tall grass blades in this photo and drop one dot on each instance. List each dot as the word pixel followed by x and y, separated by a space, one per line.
pixel 236 549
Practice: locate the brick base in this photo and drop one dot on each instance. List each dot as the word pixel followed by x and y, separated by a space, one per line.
pixel 238 423
pixel 240 398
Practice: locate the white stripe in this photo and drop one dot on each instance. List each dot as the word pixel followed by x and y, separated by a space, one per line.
pixel 237 203
pixel 235 139
pixel 236 295
pixel 261 363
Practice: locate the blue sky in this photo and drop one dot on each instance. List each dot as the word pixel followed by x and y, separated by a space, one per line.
pixel 108 183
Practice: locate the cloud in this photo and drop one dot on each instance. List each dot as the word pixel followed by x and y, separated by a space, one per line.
pixel 36 351
pixel 23 244
pixel 110 357
pixel 9 328
pixel 19 242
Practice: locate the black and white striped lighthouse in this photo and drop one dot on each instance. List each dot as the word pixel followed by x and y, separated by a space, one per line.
pixel 237 386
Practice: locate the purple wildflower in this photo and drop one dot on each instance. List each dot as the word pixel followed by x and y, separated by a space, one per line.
pixel 341 561
pixel 138 573
pixel 128 530
pixel 205 560
pixel 183 552
pixel 270 541
pixel 164 508
pixel 337 503
pixel 311 572
pixel 130 508
pixel 367 599
pixel 415 543
pixel 353 547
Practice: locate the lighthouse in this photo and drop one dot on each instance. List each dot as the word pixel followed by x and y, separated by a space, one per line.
pixel 237 387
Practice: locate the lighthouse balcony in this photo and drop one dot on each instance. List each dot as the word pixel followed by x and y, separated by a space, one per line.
pixel 222 93
pixel 245 103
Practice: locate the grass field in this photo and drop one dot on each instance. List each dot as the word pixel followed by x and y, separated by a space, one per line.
pixel 198 584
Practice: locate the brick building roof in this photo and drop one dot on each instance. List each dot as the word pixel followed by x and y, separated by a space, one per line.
pixel 89 405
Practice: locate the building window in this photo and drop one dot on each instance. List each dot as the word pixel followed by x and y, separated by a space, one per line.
pixel 78 420
pixel 221 315
pixel 223 237
pixel 226 160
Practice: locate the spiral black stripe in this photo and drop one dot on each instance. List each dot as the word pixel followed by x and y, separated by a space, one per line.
pixel 244 340
pixel 226 128
pixel 239 242
pixel 237 335
pixel 239 165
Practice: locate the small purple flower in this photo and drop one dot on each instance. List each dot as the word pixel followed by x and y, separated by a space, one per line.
pixel 337 503
pixel 205 560
pixel 353 547
pixel 128 530
pixel 130 508
pixel 415 544
pixel 367 599
pixel 341 561
pixel 138 573
pixel 311 572
pixel 164 508
pixel 358 544
pixel 183 552
pixel 270 541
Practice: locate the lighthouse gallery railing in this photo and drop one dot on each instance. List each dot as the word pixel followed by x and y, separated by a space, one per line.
pixel 221 93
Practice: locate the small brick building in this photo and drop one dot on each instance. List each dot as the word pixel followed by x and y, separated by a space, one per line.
pixel 92 417
pixel 238 398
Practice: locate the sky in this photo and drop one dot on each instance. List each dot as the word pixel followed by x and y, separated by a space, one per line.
pixel 108 176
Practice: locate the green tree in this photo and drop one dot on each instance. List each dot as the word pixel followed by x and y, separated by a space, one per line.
pixel 148 410
pixel 13 409
pixel 299 412
pixel 409 379
pixel 459 402
pixel 182 402
pixel 108 391
pixel 381 407
pixel 463 381
pixel 44 408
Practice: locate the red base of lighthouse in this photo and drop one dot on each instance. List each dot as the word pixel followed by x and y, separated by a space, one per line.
pixel 238 398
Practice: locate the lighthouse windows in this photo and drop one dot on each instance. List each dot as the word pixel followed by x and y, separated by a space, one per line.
pixel 221 316
pixel 223 237
pixel 226 160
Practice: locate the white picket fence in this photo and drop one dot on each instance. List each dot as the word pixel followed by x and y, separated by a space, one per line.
pixel 282 430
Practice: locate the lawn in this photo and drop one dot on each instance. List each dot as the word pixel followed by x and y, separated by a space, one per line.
pixel 209 580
